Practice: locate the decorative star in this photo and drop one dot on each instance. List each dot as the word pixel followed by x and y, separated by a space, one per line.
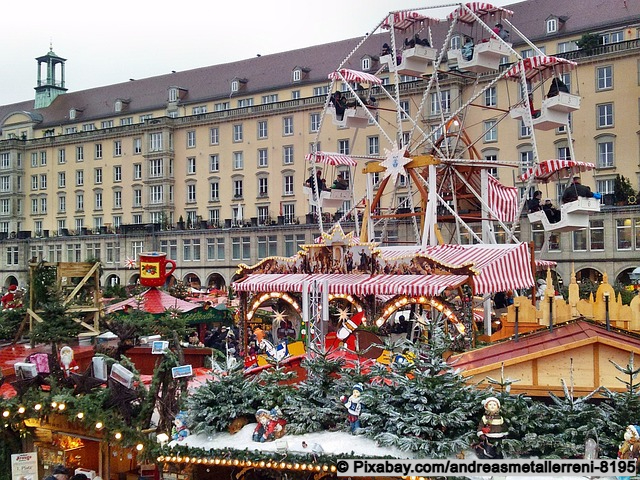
pixel 423 320
pixel 279 316
pixel 23 385
pixel 84 383
pixel 394 163
pixel 120 397
pixel 343 314
pixel 130 263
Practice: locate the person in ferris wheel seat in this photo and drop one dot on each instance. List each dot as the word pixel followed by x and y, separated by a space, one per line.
pixel 467 48
pixel 386 50
pixel 533 204
pixel 553 214
pixel 556 87
pixel 501 32
pixel 340 183
pixel 575 190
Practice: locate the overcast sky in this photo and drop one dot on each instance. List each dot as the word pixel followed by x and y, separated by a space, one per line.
pixel 118 40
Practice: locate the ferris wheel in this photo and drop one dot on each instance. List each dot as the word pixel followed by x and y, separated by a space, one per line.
pixel 428 165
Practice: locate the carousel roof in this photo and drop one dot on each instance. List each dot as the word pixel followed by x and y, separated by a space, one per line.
pixel 154 301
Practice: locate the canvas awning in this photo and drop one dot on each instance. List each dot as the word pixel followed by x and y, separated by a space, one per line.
pixel 329 158
pixel 355 76
pixel 154 301
pixel 540 67
pixel 545 170
pixel 481 9
pixel 354 284
pixel 403 21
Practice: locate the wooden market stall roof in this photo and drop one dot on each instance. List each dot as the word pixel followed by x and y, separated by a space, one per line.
pixel 580 350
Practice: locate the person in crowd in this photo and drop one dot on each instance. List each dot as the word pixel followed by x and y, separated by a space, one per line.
pixel 339 103
pixel 501 32
pixel 575 190
pixel 553 214
pixel 420 41
pixel 386 50
pixel 321 182
pixel 409 42
pixel 340 183
pixel 556 87
pixel 533 204
pixel 79 476
pixel 467 48
pixel 60 472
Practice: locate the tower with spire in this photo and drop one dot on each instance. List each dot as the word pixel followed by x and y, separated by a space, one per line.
pixel 51 86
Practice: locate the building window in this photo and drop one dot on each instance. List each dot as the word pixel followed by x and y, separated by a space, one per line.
pixel 263 187
pixel 564 153
pixel 605 115
pixel 191 193
pixel 97 174
pixel 296 75
pixel 405 111
pixel 526 160
pixel 490 131
pixel 262 129
pixel 62 180
pixel 79 153
pixel 214 217
pixel 79 202
pixel 492 157
pixel 343 147
pixel 117 173
pixel 604 77
pixel 62 156
pixel 156 168
pixel 314 121
pixel 98 148
pixel 490 97
pixel 137 197
pixel 156 194
pixel 612 37
pixel 137 171
pixel 117 199
pixel 79 178
pixel 191 166
pixel 98 200
pixel 623 233
pixel 263 215
pixel 440 103
pixel 605 186
pixel 214 191
pixel 62 204
pixel 552 25
pixel 237 188
pixel 288 184
pixel 155 142
pixel 263 159
pixel 117 148
pixel 214 135
pixel 366 64
pixel 596 234
pixel 606 157
pixel 214 163
pixel 287 155
pixel 191 139
pixel 237 133
pixel 373 145
pixel 199 110
pixel 287 126
pixel 238 160
pixel 289 212
pixel 137 146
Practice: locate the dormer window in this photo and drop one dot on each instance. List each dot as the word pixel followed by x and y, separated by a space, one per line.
pixel 74 113
pixel 238 84
pixel 176 94
pixel 366 64
pixel 120 105
pixel 297 75
pixel 552 25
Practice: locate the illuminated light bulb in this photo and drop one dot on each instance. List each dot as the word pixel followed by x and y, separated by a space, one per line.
pixel 333 468
pixel 160 458
pixel 118 435
pixel 296 466
pixel 179 459
pixel 62 406
pixel 236 462
pixel 80 415
pixel 268 464
pixel 248 463
pixel 186 459
pixel 289 466
pixel 325 468
pixel 99 425
pixel 54 404
pixel 317 468
pixel 303 466
pixel 282 464
pixel 21 410
pixel 6 413
pixel 217 461
pixel 37 407
pixel 139 447
pixel 262 464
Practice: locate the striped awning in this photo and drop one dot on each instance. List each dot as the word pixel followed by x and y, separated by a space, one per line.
pixel 545 264
pixel 503 200
pixel 405 20
pixel 353 284
pixel 540 67
pixel 545 170
pixel 500 267
pixel 481 9
pixel 354 76
pixel 329 158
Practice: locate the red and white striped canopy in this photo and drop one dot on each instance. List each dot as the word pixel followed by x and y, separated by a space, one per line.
pixel 500 267
pixel 329 158
pixel 405 20
pixel 354 76
pixel 545 170
pixel 353 284
pixel 540 67
pixel 503 200
pixel 542 265
pixel 481 9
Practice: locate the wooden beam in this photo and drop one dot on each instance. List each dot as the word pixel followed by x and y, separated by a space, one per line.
pixel 81 283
